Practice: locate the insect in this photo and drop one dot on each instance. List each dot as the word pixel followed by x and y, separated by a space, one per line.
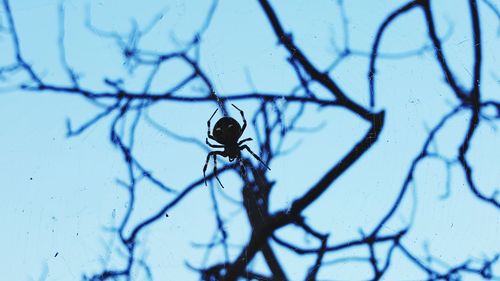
pixel 227 132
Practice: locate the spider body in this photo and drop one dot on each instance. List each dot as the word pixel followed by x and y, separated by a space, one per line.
pixel 227 131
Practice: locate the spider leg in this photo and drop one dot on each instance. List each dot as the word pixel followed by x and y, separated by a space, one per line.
pixel 214 154
pixel 205 166
pixel 213 145
pixel 208 125
pixel 254 155
pixel 244 120
pixel 215 171
pixel 242 141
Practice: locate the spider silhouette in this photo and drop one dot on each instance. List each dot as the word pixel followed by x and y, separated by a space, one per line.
pixel 227 132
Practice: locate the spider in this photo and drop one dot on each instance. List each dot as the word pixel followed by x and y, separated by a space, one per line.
pixel 227 132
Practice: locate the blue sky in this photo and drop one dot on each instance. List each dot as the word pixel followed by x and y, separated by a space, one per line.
pixel 59 194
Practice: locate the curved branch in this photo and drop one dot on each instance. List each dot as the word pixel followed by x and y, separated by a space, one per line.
pixel 376 43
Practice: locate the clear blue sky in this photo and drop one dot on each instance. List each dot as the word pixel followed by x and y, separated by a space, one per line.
pixel 60 194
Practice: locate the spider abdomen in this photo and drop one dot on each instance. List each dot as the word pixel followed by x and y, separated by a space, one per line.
pixel 227 130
